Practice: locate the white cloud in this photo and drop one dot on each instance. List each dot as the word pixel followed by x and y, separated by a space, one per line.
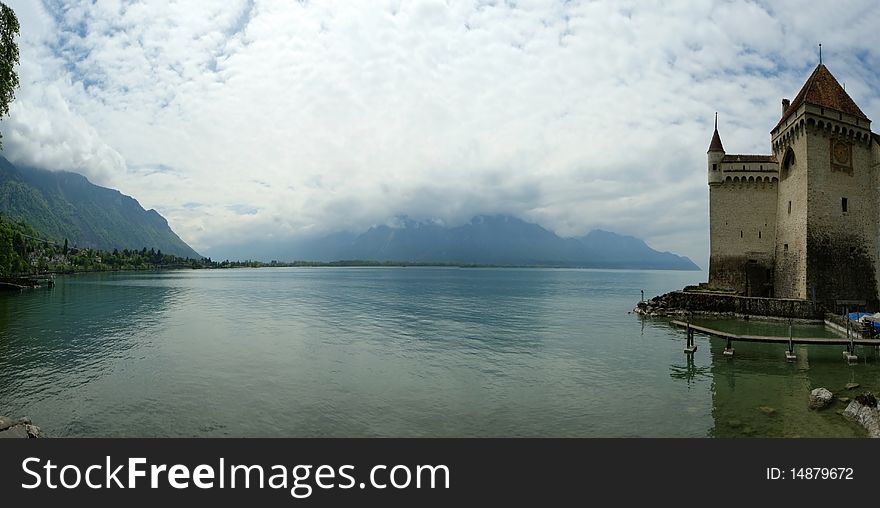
pixel 573 114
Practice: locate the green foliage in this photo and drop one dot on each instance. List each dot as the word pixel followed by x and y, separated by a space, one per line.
pixel 8 57
pixel 66 205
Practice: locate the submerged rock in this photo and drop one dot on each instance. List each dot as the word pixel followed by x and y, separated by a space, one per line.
pixel 21 428
pixel 867 399
pixel 851 386
pixel 820 398
pixel 767 410
pixel 866 416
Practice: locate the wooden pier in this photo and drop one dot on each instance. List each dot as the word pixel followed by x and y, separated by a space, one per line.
pixel 850 342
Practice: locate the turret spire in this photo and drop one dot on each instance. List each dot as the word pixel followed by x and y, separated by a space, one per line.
pixel 715 145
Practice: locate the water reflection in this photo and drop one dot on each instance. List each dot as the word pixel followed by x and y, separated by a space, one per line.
pixel 690 372
pixel 758 393
pixel 55 340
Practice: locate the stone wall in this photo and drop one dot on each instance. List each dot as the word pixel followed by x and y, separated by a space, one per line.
pixel 790 276
pixel 841 245
pixel 742 232
pixel 714 303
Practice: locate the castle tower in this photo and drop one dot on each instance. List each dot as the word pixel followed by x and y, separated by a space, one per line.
pixel 827 208
pixel 742 220
pixel 715 154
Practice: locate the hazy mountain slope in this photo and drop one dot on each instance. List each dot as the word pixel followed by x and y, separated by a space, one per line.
pixel 63 205
pixel 497 240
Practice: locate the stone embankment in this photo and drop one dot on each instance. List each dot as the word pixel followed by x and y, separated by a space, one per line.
pixel 679 303
pixel 863 410
pixel 20 428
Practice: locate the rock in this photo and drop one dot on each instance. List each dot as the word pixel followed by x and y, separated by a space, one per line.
pixel 867 399
pixel 16 431
pixel 21 428
pixel 844 399
pixel 867 417
pixel 33 431
pixel 5 423
pixel 820 398
pixel 851 386
pixel 767 410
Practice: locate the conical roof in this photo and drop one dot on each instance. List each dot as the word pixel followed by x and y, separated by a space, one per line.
pixel 715 145
pixel 822 89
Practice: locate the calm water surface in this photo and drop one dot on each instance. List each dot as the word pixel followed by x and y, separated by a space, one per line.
pixel 396 352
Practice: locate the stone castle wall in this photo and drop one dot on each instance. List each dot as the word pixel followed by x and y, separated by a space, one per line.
pixel 742 233
pixel 790 276
pixel 841 244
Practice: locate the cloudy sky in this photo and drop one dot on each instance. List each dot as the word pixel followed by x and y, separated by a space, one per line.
pixel 246 121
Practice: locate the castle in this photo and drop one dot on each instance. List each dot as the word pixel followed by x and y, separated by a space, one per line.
pixel 803 222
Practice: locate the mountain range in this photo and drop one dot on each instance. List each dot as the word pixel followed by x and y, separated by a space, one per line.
pixel 487 239
pixel 63 205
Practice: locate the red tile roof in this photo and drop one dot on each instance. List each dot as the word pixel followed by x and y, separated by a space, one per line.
pixel 822 89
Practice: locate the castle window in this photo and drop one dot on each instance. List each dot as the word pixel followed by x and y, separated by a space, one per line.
pixel 785 247
pixel 843 204
pixel 714 167
pixel 740 234
pixel 789 207
pixel 762 167
pixel 744 167
pixel 759 235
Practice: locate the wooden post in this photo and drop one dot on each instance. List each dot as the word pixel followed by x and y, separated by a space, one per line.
pixel 789 355
pixel 691 347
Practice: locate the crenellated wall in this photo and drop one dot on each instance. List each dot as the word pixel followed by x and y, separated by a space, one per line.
pixel 742 225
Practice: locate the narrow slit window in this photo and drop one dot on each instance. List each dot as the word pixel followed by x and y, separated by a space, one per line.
pixel 789 207
pixel 759 235
pixel 844 204
pixel 740 234
pixel 785 247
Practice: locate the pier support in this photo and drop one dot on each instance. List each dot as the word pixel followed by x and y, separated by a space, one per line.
pixel 690 348
pixel 728 351
pixel 789 353
pixel 849 354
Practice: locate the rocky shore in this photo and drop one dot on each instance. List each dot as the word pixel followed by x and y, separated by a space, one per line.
pixel 863 410
pixel 702 302
pixel 20 428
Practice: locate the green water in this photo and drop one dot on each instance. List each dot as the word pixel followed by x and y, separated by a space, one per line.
pixel 397 352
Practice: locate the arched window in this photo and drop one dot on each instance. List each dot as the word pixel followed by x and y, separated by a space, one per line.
pixel 788 163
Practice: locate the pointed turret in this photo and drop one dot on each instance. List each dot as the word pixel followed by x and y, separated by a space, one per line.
pixel 715 145
pixel 716 153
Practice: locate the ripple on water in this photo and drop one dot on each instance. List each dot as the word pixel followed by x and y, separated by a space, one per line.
pixel 391 352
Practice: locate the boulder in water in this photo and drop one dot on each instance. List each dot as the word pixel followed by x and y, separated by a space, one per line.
pixel 820 398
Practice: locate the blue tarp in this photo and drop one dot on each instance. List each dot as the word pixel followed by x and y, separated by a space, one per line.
pixel 854 316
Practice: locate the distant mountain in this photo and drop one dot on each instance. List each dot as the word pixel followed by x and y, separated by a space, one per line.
pixel 63 205
pixel 495 240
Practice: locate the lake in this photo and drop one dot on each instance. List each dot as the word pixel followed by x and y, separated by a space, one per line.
pixel 348 352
